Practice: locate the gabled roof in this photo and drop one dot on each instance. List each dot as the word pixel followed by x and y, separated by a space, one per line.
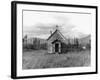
pixel 56 32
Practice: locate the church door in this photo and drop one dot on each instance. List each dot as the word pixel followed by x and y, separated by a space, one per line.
pixel 56 47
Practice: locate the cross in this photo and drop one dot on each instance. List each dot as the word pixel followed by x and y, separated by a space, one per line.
pixel 57 27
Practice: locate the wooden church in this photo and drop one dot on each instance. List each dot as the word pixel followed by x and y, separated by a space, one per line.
pixel 57 42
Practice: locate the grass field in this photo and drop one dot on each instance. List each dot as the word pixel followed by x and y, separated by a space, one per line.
pixel 41 59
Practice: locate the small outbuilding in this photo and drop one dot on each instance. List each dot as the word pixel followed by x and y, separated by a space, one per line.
pixel 56 42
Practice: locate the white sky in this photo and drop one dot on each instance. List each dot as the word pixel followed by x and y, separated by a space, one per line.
pixel 39 24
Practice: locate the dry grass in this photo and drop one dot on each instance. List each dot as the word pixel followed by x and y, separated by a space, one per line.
pixel 41 59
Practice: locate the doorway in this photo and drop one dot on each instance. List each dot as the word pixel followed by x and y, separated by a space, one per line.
pixel 56 47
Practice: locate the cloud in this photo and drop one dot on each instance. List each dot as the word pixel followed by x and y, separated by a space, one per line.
pixel 61 19
pixel 44 29
pixel 74 34
pixel 41 23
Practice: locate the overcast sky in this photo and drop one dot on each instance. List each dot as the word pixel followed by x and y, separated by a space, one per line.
pixel 39 24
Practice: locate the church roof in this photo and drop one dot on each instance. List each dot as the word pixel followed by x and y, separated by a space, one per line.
pixel 56 35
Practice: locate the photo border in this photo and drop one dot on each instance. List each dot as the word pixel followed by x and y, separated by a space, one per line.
pixel 14 38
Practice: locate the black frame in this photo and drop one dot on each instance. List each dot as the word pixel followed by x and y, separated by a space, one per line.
pixel 14 38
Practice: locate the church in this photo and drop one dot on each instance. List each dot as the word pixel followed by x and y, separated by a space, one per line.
pixel 57 43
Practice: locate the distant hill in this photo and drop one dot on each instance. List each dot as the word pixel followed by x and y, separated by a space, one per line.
pixel 85 40
pixel 74 34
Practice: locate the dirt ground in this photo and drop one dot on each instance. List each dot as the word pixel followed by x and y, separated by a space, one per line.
pixel 37 59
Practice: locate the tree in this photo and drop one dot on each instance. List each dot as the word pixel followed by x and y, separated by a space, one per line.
pixel 38 44
pixel 35 43
pixel 25 42
pixel 88 45
pixel 76 42
pixel 69 42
